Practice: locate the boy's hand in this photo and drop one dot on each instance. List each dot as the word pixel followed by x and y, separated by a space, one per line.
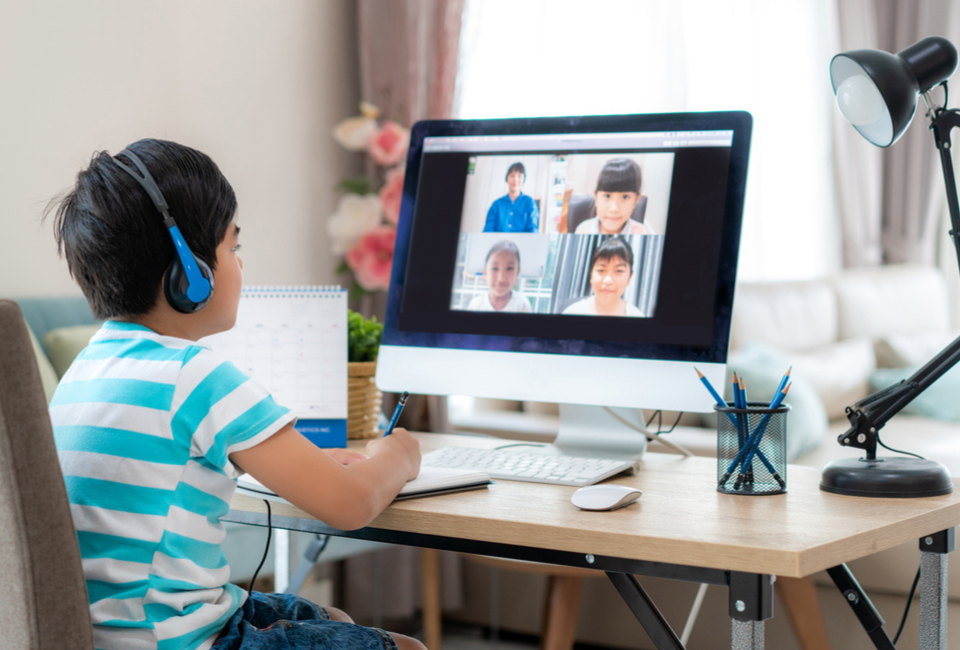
pixel 345 456
pixel 402 443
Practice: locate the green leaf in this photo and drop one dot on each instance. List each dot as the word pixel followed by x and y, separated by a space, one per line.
pixel 356 185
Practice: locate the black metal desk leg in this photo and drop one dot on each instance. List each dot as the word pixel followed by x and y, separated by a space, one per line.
pixel 646 612
pixel 933 588
pixel 751 603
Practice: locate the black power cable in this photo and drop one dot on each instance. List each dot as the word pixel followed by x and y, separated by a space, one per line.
pixel 266 549
pixel 906 610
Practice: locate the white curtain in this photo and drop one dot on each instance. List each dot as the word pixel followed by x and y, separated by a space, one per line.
pixel 568 57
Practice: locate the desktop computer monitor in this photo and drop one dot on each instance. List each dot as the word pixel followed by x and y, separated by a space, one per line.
pixel 578 260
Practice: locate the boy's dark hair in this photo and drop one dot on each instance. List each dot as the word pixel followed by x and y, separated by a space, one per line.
pixel 619 175
pixel 611 248
pixel 516 167
pixel 113 238
pixel 503 245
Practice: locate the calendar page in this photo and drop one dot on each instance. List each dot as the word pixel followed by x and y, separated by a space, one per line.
pixel 293 340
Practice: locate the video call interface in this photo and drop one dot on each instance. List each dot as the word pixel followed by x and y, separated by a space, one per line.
pixel 522 237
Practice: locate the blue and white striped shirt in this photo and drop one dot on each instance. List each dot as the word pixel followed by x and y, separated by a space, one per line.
pixel 144 425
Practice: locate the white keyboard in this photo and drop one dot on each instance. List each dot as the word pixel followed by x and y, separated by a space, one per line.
pixel 529 467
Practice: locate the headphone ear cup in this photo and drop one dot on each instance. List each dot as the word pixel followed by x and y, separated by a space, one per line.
pixel 176 283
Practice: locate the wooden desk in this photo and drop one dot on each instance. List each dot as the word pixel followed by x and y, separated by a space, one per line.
pixel 681 528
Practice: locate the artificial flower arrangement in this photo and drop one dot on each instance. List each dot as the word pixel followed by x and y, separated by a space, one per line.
pixel 364 227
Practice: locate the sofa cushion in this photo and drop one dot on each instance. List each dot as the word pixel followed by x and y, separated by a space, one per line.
pixel 839 373
pixel 48 375
pixel 65 343
pixel 785 315
pixel 901 350
pixel 898 298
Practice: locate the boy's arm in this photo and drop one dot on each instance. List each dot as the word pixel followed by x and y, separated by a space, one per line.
pixel 345 496
pixel 490 225
pixel 534 222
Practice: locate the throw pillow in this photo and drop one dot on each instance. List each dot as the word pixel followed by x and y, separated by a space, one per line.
pixel 938 401
pixel 761 368
pixel 64 344
pixel 839 372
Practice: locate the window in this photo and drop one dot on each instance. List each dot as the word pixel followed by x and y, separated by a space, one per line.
pixel 569 57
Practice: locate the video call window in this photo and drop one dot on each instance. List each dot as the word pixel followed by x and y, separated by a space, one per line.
pixel 595 193
pixel 568 234
pixel 579 275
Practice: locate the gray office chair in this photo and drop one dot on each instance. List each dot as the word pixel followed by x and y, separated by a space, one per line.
pixel 580 207
pixel 43 596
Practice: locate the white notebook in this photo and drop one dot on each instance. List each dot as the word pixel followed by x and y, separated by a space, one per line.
pixel 430 482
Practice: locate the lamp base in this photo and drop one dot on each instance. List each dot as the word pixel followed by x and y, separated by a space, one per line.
pixel 886 477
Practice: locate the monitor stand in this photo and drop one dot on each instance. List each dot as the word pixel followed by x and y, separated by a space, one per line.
pixel 597 432
pixel 605 432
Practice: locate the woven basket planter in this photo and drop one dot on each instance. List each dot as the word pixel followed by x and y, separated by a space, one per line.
pixel 364 400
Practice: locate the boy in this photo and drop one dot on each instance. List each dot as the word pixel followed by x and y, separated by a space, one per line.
pixel 153 429
pixel 617 194
pixel 514 211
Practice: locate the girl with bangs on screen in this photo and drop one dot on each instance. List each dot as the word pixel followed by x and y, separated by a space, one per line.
pixel 617 194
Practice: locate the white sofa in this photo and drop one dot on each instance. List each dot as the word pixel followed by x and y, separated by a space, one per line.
pixel 831 330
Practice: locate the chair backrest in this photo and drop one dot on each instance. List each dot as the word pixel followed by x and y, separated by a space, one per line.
pixel 43 596
pixel 580 207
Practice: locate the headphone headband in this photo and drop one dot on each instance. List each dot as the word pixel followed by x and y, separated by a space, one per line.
pixel 145 179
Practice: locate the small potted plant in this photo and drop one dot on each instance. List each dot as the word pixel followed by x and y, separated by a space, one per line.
pixel 364 399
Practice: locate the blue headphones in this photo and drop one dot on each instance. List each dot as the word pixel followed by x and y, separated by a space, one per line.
pixel 188 284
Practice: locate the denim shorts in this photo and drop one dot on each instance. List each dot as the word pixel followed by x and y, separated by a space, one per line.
pixel 271 621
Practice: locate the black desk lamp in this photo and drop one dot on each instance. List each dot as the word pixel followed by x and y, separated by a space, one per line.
pixel 877 92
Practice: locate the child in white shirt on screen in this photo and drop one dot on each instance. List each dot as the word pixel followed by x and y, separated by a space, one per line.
pixel 501 270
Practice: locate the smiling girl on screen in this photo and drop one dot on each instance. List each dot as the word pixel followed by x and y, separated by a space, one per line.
pixel 610 271
pixel 617 194
pixel 501 270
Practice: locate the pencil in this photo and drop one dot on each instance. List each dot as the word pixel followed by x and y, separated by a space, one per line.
pixel 754 442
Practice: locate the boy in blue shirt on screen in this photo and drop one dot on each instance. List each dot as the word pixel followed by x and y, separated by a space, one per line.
pixel 515 211
pixel 153 429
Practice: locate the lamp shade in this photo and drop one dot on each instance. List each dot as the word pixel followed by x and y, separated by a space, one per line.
pixel 877 91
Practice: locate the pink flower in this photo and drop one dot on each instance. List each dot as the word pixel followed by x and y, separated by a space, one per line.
pixel 389 144
pixel 371 258
pixel 390 195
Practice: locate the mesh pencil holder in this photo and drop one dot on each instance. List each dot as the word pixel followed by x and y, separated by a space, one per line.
pixel 752 449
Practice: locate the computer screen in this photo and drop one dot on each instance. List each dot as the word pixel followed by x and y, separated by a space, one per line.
pixel 584 260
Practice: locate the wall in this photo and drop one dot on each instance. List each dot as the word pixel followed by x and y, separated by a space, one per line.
pixel 256 85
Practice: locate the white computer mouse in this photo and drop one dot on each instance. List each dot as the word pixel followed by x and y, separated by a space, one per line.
pixel 604 497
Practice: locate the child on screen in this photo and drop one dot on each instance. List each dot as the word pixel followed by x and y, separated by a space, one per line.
pixel 500 271
pixel 611 269
pixel 617 194
pixel 153 429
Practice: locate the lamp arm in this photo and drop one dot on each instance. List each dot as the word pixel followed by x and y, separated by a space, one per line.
pixel 871 413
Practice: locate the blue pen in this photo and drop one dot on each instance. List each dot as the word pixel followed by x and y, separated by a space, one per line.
pixel 396 414
pixel 754 442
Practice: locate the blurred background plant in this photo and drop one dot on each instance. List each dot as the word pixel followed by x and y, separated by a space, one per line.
pixel 364 227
